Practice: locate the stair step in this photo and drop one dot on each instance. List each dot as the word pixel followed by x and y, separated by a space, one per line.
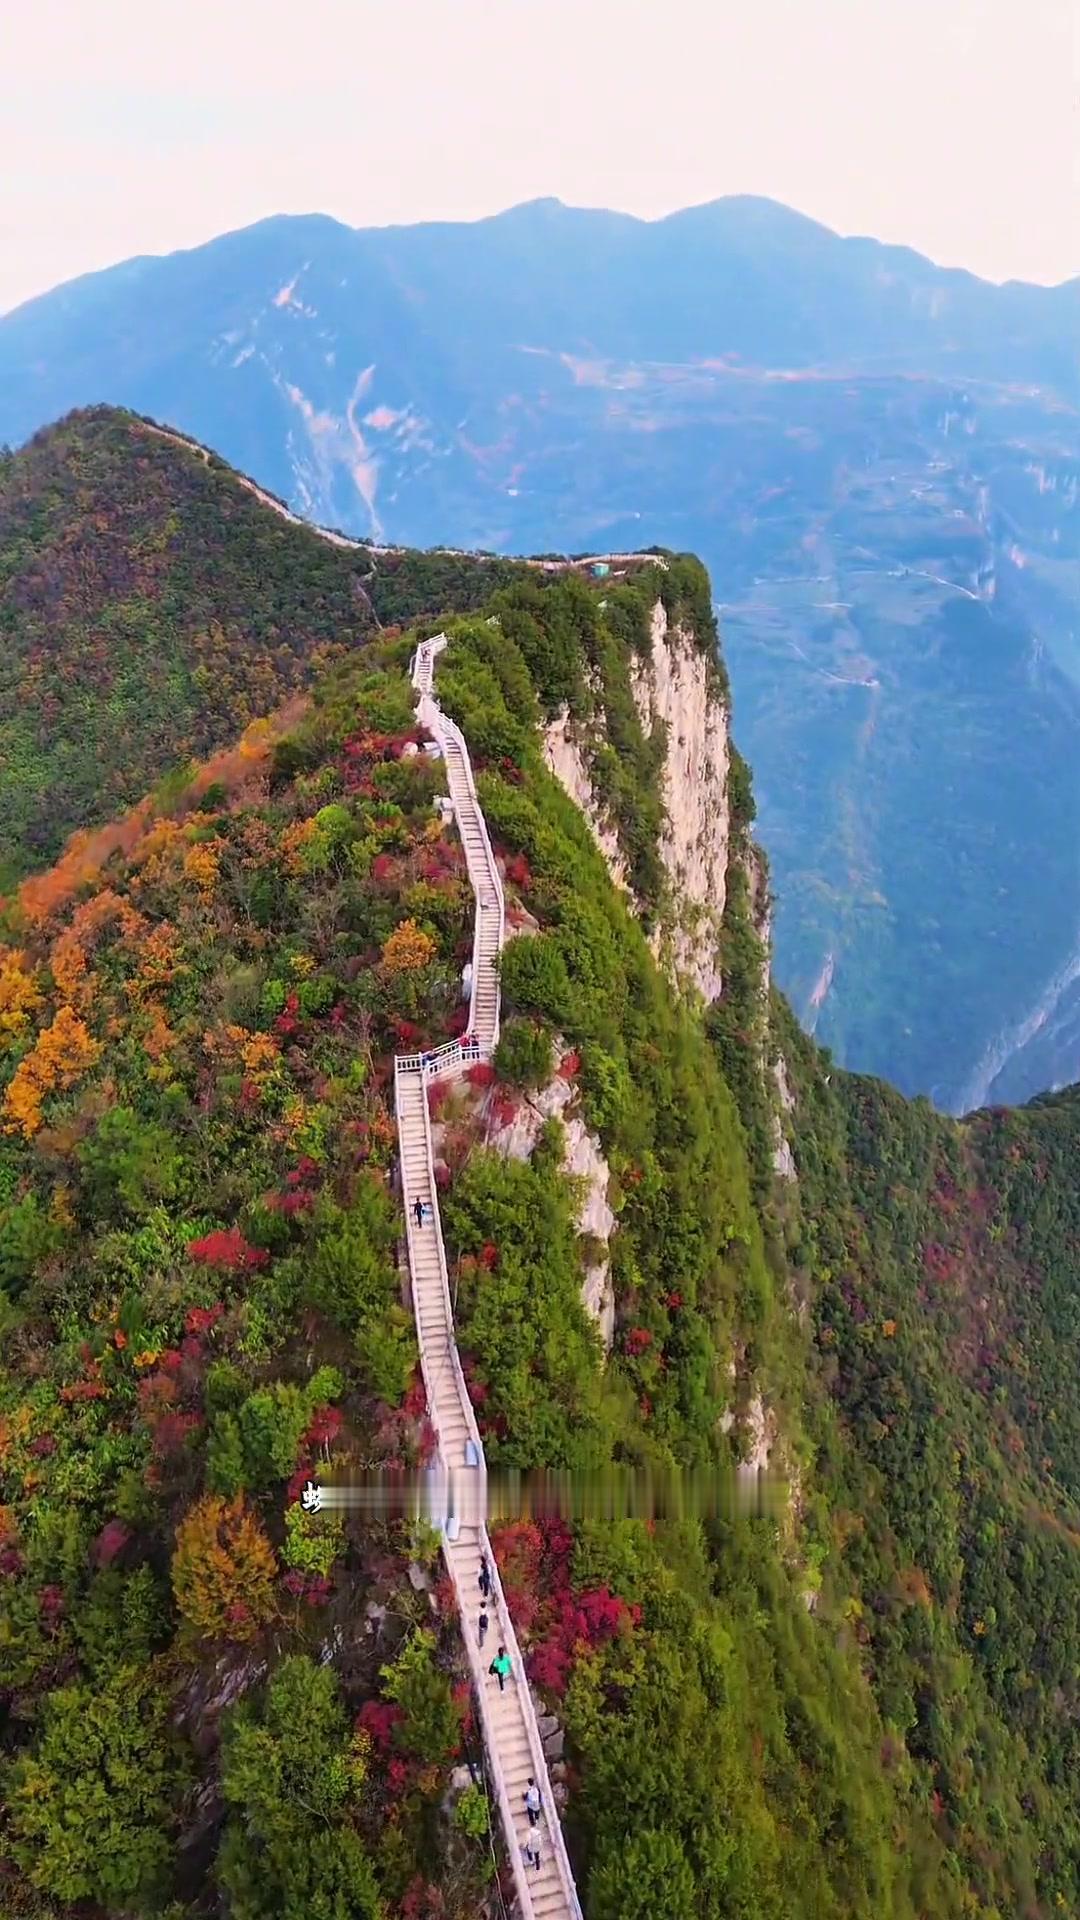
pixel 505 1715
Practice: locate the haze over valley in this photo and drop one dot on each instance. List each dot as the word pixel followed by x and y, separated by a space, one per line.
pixel 878 459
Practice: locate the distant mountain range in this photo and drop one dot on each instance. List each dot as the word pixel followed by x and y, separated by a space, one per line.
pixel 878 458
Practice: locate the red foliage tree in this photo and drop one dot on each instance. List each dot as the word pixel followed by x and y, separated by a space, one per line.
pixel 415 1401
pixel 199 1320
pixel 422 1901
pixel 227 1251
pixel 112 1540
pixel 325 1425
pixel 379 1718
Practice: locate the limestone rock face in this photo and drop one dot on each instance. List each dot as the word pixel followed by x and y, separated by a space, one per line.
pixel 584 1159
pixel 676 690
pixel 783 1158
pixel 564 755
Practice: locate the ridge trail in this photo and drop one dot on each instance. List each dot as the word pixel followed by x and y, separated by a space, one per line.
pixel 508 1719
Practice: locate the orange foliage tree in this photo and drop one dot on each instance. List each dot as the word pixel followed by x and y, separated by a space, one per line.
pixel 69 951
pixel 19 996
pixel 408 949
pixel 223 1569
pixel 63 1052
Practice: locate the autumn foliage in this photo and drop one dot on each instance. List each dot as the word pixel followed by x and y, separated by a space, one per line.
pixel 408 949
pixel 223 1570
pixel 226 1251
pixel 63 1052
pixel 19 995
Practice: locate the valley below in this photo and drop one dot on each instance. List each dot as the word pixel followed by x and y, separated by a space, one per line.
pixel 881 477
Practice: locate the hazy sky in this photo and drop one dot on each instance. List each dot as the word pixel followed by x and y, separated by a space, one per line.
pixel 129 126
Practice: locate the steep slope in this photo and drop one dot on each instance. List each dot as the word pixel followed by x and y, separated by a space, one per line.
pixel 860 1701
pixel 877 458
pixel 200 1302
pixel 150 607
pixel 937 1264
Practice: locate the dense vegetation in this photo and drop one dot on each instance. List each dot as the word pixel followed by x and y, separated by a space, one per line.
pixel 200 1301
pixel 151 607
pixel 211 1703
pixel 940 1262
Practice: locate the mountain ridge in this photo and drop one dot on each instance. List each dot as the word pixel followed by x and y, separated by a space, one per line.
pixel 857 1704
pixel 725 206
pixel 857 466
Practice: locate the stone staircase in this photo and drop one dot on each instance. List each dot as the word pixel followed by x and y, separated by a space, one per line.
pixel 508 1718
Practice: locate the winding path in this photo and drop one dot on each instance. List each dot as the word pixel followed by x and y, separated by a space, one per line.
pixel 508 1719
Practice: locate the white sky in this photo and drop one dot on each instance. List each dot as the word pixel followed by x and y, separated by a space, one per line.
pixel 131 126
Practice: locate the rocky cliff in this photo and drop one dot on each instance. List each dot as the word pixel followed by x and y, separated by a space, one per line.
pixel 681 702
pixel 684 715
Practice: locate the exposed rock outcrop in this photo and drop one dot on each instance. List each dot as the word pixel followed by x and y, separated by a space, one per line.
pixel 563 754
pixel 759 1428
pixel 584 1160
pixel 761 916
pixel 676 689
pixel 783 1158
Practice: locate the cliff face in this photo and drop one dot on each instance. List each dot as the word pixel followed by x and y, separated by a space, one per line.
pixel 565 757
pixel 715 899
pixel 584 1161
pixel 676 692
pixel 684 715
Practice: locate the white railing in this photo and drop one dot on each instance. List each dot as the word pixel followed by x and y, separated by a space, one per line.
pixel 400 1071
pixel 494 882
pixel 422 674
pixel 506 1634
pixel 452 1057
pixel 450 1061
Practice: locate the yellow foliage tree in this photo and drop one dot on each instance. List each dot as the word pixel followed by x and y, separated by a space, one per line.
pixel 19 997
pixel 201 866
pixel 223 1570
pixel 408 949
pixel 63 1052
pixel 68 963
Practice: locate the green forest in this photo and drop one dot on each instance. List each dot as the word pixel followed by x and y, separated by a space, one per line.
pixel 862 1704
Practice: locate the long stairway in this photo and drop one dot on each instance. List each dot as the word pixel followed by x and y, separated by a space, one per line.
pixel 508 1719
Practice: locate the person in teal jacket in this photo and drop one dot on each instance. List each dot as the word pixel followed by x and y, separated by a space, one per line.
pixel 501 1668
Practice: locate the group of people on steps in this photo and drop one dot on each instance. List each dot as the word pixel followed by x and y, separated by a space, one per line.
pixel 502 1667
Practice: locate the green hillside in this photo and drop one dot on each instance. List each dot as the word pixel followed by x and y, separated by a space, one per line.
pixel 150 608
pixel 860 1705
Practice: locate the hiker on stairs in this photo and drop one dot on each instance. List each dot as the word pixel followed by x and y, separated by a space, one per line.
pixel 501 1668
